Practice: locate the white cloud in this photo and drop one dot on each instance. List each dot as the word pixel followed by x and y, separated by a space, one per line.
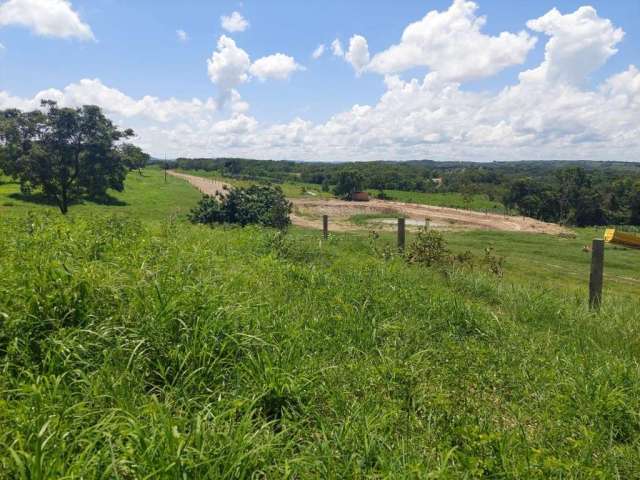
pixel 113 101
pixel 228 66
pixel 238 124
pixel 452 44
pixel 234 22
pixel 336 48
pixel 278 66
pixel 625 88
pixel 182 35
pixel 358 53
pixel 581 42
pixel 50 18
pixel 2 47
pixel 318 52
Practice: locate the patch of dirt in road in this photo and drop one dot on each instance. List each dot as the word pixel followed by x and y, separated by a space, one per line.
pixel 308 213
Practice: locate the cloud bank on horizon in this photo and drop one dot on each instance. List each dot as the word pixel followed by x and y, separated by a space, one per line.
pixel 549 112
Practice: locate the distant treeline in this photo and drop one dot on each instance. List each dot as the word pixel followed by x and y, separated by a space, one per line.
pixel 575 193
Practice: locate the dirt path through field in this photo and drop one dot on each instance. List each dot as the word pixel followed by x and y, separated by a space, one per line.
pixel 307 212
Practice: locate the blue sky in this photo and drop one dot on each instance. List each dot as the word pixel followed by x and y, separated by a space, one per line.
pixel 133 48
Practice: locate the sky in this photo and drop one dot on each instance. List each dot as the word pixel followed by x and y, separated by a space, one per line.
pixel 338 80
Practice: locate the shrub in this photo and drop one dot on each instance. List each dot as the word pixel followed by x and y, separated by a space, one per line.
pixel 429 248
pixel 494 263
pixel 257 204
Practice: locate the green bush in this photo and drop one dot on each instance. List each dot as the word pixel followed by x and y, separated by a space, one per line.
pixel 429 248
pixel 257 204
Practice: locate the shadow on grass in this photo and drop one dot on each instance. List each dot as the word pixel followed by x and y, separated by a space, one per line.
pixel 108 200
pixel 40 198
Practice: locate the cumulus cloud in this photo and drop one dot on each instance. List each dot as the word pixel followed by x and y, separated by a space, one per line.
pixel 581 42
pixel 336 48
pixel 234 22
pixel 228 66
pixel 318 52
pixel 278 66
pixel 94 92
pixel 539 116
pixel 625 88
pixel 49 18
pixel 182 35
pixel 452 44
pixel 358 53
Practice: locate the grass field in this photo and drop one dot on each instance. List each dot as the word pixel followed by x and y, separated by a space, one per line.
pixel 476 202
pixel 136 345
pixel 145 197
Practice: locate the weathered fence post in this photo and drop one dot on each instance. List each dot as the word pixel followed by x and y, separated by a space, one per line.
pixel 401 235
pixel 325 226
pixel 597 271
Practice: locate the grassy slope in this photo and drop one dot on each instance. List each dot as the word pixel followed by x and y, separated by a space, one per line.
pixel 144 197
pixel 136 348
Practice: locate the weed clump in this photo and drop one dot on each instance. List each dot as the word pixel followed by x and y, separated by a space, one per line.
pixel 430 249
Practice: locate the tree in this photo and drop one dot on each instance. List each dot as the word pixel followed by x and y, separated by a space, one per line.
pixel 67 152
pixel 349 182
pixel 133 157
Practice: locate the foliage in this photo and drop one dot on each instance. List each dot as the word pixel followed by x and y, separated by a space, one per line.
pixel 133 157
pixel 68 153
pixel 571 198
pixel 256 204
pixel 429 248
pixel 348 183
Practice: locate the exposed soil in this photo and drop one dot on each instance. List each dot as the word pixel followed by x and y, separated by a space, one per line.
pixel 307 212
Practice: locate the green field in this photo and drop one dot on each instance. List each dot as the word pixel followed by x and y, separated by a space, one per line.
pixel 480 203
pixel 136 345
pixel 145 197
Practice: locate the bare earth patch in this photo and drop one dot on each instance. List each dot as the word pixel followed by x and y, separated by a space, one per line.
pixel 308 213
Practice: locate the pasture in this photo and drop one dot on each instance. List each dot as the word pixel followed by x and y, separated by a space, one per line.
pixel 136 345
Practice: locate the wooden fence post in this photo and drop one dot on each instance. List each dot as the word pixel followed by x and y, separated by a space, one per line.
pixel 401 232
pixel 597 271
pixel 325 226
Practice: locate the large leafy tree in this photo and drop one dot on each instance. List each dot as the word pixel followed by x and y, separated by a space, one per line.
pixel 67 152
pixel 348 183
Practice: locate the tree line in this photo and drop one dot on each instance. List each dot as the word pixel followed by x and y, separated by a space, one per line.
pixel 66 154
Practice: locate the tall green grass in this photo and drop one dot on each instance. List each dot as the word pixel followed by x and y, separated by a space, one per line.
pixel 131 349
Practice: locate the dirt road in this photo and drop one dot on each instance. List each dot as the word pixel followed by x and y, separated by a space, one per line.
pixel 307 212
